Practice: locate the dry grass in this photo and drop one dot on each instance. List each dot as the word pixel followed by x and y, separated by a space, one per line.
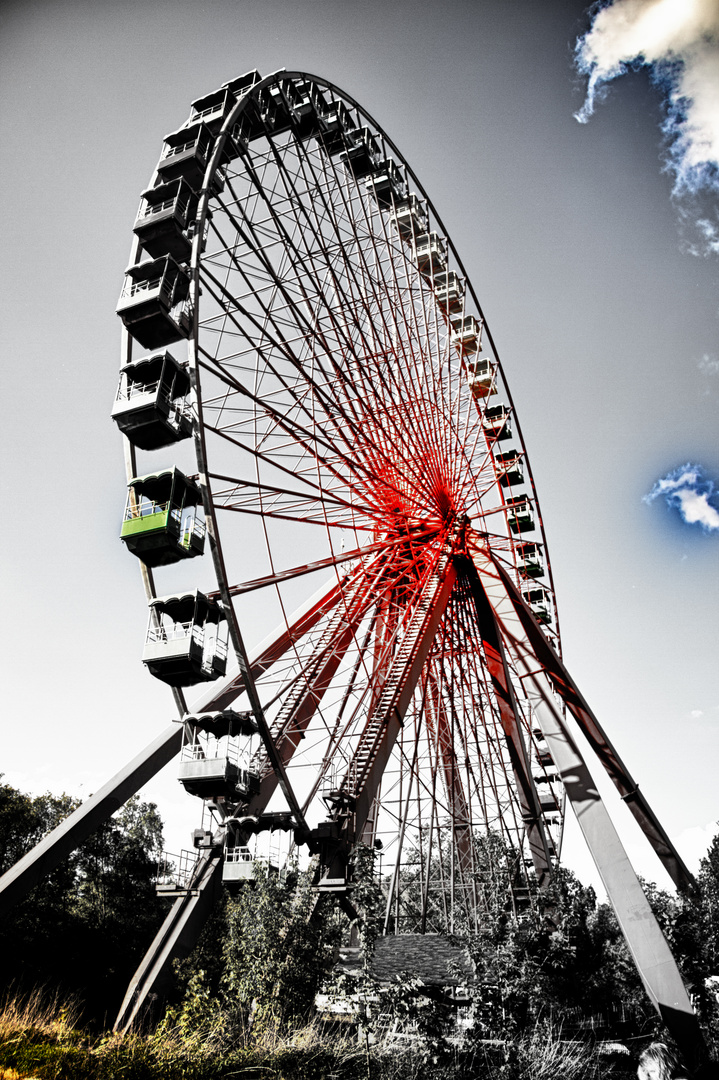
pixel 543 1054
pixel 39 1038
pixel 39 1011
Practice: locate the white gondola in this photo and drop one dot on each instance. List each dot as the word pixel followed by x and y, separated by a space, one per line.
pixel 536 597
pixel 530 561
pixel 482 377
pixel 449 291
pixel 152 405
pixel 239 866
pixel 186 640
pixel 410 218
pixel 466 334
pixel 496 422
pixel 510 469
pixel 520 515
pixel 430 253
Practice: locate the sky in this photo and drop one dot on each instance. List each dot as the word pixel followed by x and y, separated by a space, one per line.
pixel 587 224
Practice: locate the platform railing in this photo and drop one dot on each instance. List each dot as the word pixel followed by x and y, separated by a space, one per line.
pixel 173 151
pixel 148 209
pixel 132 288
pixel 178 630
pixel 176 870
pixel 144 507
pixel 238 854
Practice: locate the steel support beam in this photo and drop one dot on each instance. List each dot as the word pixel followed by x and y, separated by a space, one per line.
pixel 387 716
pixel 439 725
pixel 615 768
pixel 511 725
pixel 652 956
pixel 175 938
pixel 57 845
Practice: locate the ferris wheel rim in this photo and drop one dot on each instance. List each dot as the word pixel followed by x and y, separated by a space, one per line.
pixel 203 207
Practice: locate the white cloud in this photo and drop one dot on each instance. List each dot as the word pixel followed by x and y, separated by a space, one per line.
pixel 686 490
pixel 709 365
pixel 710 235
pixel 679 41
pixel 696 509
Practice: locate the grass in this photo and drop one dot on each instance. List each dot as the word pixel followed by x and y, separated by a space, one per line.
pixel 544 1055
pixel 39 1011
pixel 40 1040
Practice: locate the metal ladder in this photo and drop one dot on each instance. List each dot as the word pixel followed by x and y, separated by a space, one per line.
pixel 396 679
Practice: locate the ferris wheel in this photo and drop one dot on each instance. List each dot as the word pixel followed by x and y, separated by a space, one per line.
pixel 348 583
pixel 353 440
pixel 310 391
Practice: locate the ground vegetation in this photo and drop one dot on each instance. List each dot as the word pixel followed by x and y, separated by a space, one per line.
pixel 552 983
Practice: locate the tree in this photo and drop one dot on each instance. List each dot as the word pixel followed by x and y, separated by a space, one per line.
pixel 87 924
pixel 690 923
pixel 24 820
pixel 279 944
pixel 564 958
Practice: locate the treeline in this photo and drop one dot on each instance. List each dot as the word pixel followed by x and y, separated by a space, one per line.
pixel 261 960
pixel 564 961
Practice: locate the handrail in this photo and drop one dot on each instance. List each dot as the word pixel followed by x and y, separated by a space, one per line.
pixel 172 151
pixel 129 388
pixel 176 870
pixel 238 854
pixel 156 208
pixel 194 527
pixel 179 630
pixel 197 114
pixel 231 752
pixel 131 287
pixel 144 508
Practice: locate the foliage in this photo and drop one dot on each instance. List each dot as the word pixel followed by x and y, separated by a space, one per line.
pixel 86 925
pixel 566 958
pixel 248 990
pixel 543 1053
pixel 367 898
pixel 259 966
pixel 35 1041
pixel 275 955
pixel 391 1018
pixel 690 922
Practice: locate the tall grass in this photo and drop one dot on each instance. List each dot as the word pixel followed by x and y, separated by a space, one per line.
pixel 543 1054
pixel 40 1011
pixel 39 1039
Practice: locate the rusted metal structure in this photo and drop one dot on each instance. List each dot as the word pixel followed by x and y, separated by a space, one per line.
pixel 305 359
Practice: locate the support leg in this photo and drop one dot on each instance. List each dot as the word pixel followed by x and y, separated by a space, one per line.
pixel 57 845
pixel 652 956
pixel 176 937
pixel 510 718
